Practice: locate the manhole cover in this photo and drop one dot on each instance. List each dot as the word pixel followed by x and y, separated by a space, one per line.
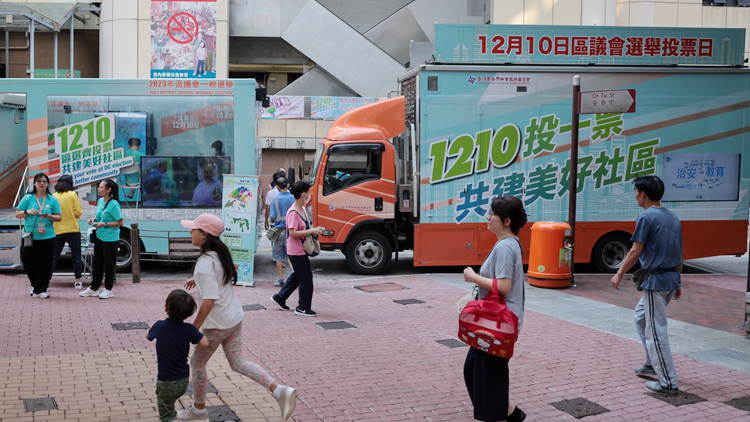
pixel 408 301
pixel 681 398
pixel 452 343
pixel 121 326
pixel 189 391
pixel 42 403
pixel 335 325
pixel 221 413
pixel 383 287
pixel 742 403
pixel 254 307
pixel 579 408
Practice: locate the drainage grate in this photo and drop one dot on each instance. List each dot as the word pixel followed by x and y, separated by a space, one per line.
pixel 335 325
pixel 383 287
pixel 221 413
pixel 189 391
pixel 579 408
pixel 742 403
pixel 408 301
pixel 42 403
pixel 254 307
pixel 680 399
pixel 452 343
pixel 122 326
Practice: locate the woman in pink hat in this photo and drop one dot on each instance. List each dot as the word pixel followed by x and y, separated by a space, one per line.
pixel 220 314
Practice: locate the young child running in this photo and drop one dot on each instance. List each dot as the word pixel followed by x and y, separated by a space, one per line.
pixel 220 314
pixel 172 349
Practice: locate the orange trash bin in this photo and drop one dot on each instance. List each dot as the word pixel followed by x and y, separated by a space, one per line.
pixel 550 255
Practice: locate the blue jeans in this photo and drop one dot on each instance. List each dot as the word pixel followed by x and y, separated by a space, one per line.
pixel 201 66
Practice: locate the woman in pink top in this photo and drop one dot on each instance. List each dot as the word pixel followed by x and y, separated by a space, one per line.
pixel 297 226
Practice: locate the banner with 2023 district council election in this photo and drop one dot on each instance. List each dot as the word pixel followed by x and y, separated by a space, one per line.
pixel 183 39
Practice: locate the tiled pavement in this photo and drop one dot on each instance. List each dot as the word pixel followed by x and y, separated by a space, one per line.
pixel 388 368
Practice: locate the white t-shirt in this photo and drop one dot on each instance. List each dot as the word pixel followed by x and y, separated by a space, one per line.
pixel 271 194
pixel 209 278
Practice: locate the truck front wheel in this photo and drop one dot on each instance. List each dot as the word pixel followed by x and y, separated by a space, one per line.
pixel 368 253
pixel 610 252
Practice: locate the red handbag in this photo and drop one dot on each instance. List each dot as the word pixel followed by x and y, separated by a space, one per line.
pixel 488 325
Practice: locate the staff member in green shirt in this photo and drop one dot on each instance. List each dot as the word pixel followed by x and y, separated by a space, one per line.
pixel 107 223
pixel 40 210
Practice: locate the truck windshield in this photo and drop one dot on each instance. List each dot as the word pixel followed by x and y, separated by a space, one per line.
pixel 316 163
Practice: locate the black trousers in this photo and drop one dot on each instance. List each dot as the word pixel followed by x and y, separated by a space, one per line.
pixel 487 381
pixel 37 261
pixel 74 242
pixel 301 277
pixel 105 264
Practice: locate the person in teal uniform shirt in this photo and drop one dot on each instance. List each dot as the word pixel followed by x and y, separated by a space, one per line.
pixel 40 210
pixel 107 223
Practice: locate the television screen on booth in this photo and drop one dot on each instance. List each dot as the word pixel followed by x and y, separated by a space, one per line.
pixel 173 182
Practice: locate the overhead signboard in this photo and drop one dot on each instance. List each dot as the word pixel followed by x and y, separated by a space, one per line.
pixel 601 102
pixel 456 43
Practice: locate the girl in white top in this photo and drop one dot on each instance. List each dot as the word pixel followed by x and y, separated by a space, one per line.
pixel 220 314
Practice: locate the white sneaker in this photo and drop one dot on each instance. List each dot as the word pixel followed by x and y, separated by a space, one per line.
pixel 42 295
pixel 106 294
pixel 78 286
pixel 287 401
pixel 89 293
pixel 190 415
pixel 31 293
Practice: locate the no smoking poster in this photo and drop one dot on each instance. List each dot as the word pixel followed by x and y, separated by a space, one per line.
pixel 183 39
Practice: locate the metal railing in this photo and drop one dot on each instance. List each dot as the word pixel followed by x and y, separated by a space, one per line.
pixel 22 188
pixel 175 253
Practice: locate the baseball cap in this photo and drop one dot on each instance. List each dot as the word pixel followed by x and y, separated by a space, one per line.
pixel 209 223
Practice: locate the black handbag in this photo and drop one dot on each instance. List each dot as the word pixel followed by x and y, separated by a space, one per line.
pixel 92 237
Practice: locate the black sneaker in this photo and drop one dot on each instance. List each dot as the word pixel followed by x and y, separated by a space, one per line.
pixel 305 312
pixel 281 303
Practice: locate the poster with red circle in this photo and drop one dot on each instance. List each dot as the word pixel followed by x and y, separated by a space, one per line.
pixel 183 39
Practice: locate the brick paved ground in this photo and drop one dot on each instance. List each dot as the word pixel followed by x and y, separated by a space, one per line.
pixel 712 301
pixel 388 368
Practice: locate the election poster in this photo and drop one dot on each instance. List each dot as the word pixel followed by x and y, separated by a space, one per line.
pixel 239 211
pixel 183 39
pixel 88 152
pixel 283 107
pixel 333 107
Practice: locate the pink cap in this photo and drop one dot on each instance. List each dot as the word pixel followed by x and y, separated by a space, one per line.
pixel 209 223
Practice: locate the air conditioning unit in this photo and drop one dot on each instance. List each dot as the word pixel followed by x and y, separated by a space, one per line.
pixel 13 100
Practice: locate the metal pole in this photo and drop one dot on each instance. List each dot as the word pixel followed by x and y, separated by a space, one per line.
pixel 55 56
pixel 573 189
pixel 135 248
pixel 7 54
pixel 72 24
pixel 31 60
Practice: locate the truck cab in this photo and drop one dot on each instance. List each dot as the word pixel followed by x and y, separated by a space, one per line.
pixel 353 185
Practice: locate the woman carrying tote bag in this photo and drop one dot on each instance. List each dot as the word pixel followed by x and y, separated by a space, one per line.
pixel 40 210
pixel 67 230
pixel 107 223
pixel 486 376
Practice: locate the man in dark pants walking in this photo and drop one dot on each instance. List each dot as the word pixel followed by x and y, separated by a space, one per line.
pixel 657 244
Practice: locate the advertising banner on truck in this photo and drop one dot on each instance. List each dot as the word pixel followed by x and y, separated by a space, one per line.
pixel 482 140
pixel 183 39
pixel 588 44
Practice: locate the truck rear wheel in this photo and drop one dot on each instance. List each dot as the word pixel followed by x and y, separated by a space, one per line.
pixel 610 252
pixel 368 253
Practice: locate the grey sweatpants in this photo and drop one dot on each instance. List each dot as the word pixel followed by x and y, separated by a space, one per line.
pixel 651 321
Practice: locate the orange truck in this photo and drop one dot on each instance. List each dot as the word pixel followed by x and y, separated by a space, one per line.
pixel 418 171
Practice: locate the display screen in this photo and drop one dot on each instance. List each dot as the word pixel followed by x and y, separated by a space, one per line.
pixel 701 177
pixel 183 181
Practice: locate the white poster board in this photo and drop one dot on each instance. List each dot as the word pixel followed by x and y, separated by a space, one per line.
pixel 701 177
pixel 239 211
